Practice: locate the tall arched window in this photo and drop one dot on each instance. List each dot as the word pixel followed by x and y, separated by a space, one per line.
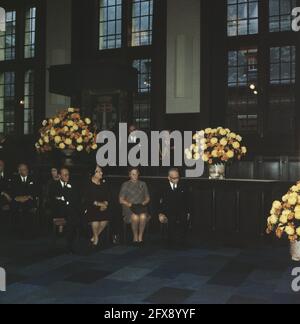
pixel 21 67
pixel 261 68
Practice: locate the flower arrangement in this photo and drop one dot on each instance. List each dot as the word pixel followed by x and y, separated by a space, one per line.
pixel 285 215
pixel 216 146
pixel 67 131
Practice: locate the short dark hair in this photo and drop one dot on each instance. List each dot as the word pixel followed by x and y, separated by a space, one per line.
pixel 174 170
pixel 134 169
pixel 23 164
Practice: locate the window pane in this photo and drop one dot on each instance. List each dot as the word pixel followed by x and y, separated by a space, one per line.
pixel 7 102
pixel 142 100
pixel 30 28
pixel 280 15
pixel 29 102
pixel 242 110
pixel 142 18
pixel 110 24
pixel 242 17
pixel 282 65
pixel 8 37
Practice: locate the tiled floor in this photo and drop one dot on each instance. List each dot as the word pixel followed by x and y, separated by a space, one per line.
pixel 39 272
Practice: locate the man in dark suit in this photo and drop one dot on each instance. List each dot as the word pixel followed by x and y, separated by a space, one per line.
pixel 64 202
pixel 174 208
pixel 24 196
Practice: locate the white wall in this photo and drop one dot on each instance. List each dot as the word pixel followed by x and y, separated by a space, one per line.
pixel 58 48
pixel 183 56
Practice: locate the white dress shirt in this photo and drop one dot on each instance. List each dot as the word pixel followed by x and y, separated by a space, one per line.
pixel 173 186
pixel 24 179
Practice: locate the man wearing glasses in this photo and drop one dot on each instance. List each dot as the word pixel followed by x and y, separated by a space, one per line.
pixel 174 208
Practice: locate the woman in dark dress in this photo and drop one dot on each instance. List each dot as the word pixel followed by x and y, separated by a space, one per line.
pixel 97 198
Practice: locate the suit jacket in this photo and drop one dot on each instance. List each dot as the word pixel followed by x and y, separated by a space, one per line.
pixel 29 188
pixel 174 203
pixel 64 201
pixel 5 186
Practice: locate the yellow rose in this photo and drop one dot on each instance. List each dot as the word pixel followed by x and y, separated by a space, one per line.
pixel 52 132
pixel 298 231
pixel 230 154
pixel 294 189
pixel 57 139
pixel 94 146
pixel 75 127
pixel 208 131
pixel 215 153
pixel 41 142
pixel 223 132
pixel 283 219
pixel 203 141
pixel 223 142
pixel 214 140
pixel 244 150
pixel 79 140
pixel 285 198
pixel 273 220
pixel 196 149
pixel 205 158
pixel 87 121
pixel 297 208
pixel 277 204
pixel 71 110
pixel 46 139
pixel 297 215
pixel 232 135
pixel 56 121
pixel 236 145
pixel 70 123
pixel 239 138
pixel 203 147
pixel 68 141
pixel 79 148
pixel 62 146
pixel 290 230
pixel 66 129
pixel 197 156
pixel 293 201
pixel 201 134
pixel 84 132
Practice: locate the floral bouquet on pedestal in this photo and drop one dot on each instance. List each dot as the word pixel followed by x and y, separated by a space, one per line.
pixel 284 219
pixel 216 147
pixel 67 132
